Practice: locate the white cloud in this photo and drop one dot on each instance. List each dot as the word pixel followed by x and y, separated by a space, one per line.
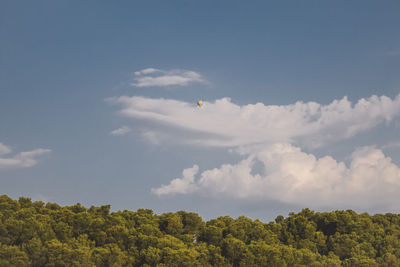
pixel 155 77
pixel 293 176
pixel 121 131
pixel 223 123
pixel 4 149
pixel 147 71
pixel 184 185
pixel 152 137
pixel 273 136
pixel 20 160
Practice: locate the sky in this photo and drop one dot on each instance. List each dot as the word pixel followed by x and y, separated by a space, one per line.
pixel 301 105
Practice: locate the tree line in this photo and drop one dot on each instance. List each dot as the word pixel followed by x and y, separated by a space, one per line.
pixel 35 233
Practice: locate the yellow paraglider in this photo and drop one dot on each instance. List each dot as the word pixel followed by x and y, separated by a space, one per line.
pixel 199 103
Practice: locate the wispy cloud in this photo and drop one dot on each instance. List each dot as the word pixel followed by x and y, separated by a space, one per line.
pixel 156 77
pixel 121 131
pixel 20 160
pixel 147 71
pixel 152 137
pixel 223 123
pixel 391 145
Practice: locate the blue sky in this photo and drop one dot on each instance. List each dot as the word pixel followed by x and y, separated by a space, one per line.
pixel 67 81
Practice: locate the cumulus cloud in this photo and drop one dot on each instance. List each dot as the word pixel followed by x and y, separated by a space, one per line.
pixel 293 176
pixel 4 149
pixel 156 77
pixel 121 131
pixel 184 185
pixel 272 136
pixel 20 160
pixel 223 123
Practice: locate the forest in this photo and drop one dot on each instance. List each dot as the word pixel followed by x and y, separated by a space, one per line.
pixel 35 233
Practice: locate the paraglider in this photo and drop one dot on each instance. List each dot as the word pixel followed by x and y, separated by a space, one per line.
pixel 199 103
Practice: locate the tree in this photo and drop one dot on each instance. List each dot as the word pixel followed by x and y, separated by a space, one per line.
pixel 47 234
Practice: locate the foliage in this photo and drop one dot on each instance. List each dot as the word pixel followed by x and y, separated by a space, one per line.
pixel 46 234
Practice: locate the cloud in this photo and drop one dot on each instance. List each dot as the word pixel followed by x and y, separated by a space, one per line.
pixel 184 185
pixel 152 137
pixel 391 145
pixel 225 124
pixel 4 149
pixel 20 160
pixel 155 77
pixel 121 131
pixel 147 71
pixel 272 136
pixel 293 176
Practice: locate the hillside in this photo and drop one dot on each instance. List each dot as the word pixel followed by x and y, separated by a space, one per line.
pixel 47 234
